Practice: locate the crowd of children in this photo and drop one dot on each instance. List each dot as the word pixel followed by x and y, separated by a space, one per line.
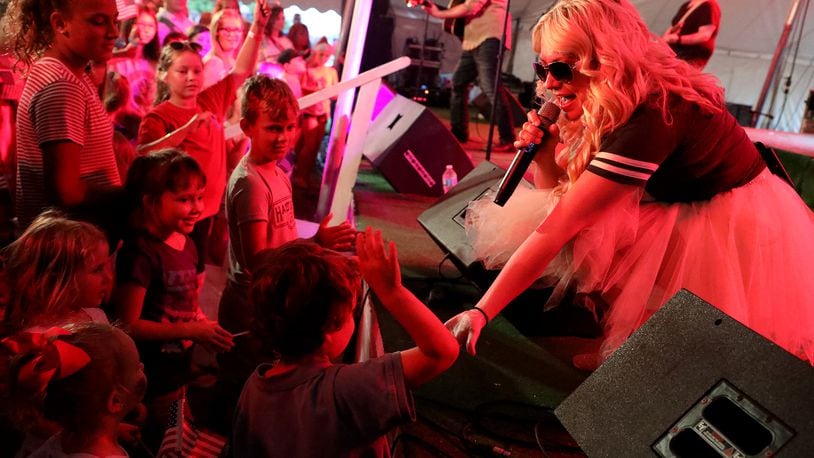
pixel 100 290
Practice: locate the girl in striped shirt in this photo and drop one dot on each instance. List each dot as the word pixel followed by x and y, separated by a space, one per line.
pixel 65 139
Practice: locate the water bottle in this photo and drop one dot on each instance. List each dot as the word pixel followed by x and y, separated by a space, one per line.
pixel 449 179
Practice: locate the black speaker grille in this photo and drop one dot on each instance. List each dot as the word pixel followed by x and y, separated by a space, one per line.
pixel 666 366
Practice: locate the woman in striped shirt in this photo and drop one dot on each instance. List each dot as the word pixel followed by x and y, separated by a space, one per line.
pixel 649 186
pixel 65 139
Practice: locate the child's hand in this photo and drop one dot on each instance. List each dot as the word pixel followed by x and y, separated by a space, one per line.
pixel 380 269
pixel 339 238
pixel 133 38
pixel 262 12
pixel 195 122
pixel 129 433
pixel 201 119
pixel 130 427
pixel 211 336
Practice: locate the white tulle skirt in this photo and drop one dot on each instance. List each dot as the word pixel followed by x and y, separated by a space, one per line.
pixel 748 251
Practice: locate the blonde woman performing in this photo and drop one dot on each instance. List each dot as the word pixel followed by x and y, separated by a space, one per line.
pixel 651 187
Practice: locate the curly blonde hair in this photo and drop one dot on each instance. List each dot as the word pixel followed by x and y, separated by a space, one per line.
pixel 42 265
pixel 626 66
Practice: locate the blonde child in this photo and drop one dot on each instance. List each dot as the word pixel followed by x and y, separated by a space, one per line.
pixel 58 271
pixel 84 378
pixel 156 292
pixel 304 296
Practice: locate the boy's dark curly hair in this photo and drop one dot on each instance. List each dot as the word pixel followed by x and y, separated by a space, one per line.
pixel 300 291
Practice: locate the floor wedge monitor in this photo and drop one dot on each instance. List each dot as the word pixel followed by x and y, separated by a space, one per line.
pixel 411 148
pixel 693 382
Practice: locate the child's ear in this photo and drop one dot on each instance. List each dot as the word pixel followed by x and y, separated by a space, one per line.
pixel 117 402
pixel 245 126
pixel 147 204
pixel 58 23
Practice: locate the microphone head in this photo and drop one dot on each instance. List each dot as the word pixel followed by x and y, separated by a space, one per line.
pixel 549 112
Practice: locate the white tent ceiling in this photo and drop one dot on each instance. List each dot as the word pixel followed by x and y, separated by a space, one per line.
pixel 321 5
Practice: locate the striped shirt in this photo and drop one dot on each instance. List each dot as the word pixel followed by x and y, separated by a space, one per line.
pixel 622 169
pixel 58 106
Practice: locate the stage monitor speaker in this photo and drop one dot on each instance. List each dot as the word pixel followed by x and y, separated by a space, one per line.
pixel 411 148
pixel 693 382
pixel 516 109
pixel 444 221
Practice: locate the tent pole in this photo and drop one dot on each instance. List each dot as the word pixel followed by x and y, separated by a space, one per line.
pixel 498 83
pixel 778 53
pixel 355 46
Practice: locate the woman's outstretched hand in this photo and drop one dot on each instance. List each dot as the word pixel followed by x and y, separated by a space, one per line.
pixel 466 327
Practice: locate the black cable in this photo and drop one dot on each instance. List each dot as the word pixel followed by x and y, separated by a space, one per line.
pixel 406 437
pixel 485 447
pixel 477 415
pixel 536 414
pixel 539 442
pixel 444 277
pixel 443 429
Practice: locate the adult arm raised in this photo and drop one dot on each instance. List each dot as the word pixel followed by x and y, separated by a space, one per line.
pixel 246 59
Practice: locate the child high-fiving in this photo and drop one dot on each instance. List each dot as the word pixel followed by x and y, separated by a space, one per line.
pixel 436 349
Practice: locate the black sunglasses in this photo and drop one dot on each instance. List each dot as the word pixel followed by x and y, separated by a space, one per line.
pixel 560 71
pixel 182 45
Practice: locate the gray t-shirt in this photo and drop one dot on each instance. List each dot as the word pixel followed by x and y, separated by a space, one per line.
pixel 312 411
pixel 255 194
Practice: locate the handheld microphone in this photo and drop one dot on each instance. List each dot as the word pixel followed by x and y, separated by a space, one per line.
pixel 548 113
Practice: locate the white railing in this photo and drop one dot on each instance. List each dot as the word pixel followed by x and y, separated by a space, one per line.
pixel 343 157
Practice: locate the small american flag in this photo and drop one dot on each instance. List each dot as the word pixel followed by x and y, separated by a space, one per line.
pixel 182 439
pixel 127 9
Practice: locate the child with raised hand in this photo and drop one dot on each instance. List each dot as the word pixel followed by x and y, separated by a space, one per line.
pixel 59 271
pixel 156 292
pixel 260 213
pixel 304 296
pixel 191 118
pixel 85 378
